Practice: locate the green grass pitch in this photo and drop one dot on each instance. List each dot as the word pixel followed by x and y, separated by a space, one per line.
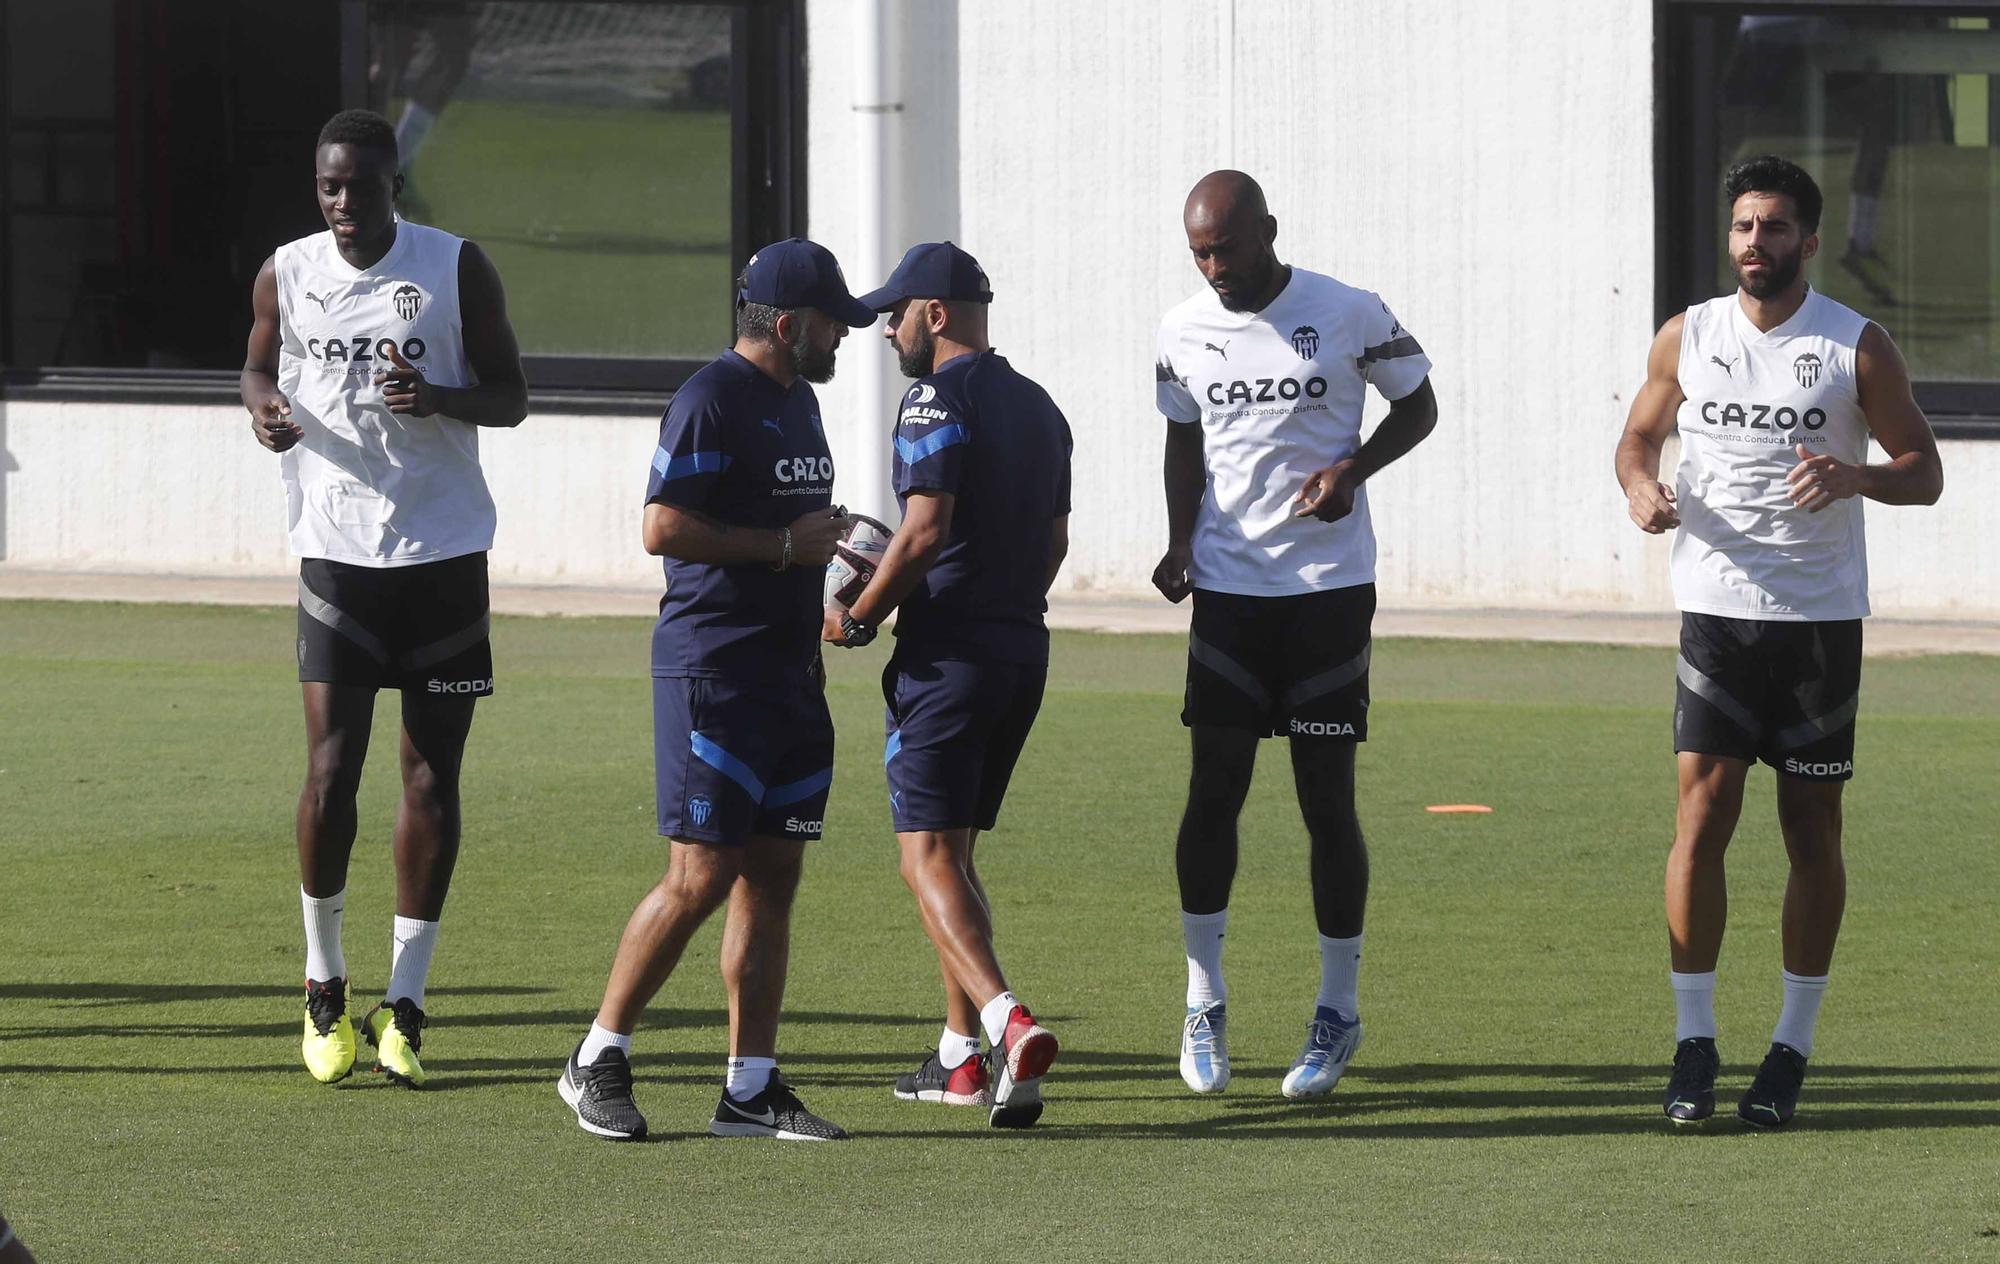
pixel 1505 1107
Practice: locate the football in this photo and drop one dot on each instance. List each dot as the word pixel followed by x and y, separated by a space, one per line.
pixel 854 560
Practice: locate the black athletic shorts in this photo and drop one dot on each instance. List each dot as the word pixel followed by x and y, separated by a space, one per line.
pixel 953 732
pixel 1294 666
pixel 416 628
pixel 1782 692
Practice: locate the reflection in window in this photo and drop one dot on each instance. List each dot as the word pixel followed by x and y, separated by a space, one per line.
pixel 1898 118
pixel 586 147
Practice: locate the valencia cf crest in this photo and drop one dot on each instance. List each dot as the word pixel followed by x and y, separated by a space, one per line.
pixel 409 300
pixel 1305 341
pixel 699 810
pixel 1806 369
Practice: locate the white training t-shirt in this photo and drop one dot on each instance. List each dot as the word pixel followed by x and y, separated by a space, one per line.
pixel 1743 549
pixel 1278 394
pixel 367 486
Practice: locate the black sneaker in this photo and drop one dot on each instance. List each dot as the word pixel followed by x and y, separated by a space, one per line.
pixel 601 1095
pixel 1774 1094
pixel 966 1084
pixel 775 1112
pixel 1690 1096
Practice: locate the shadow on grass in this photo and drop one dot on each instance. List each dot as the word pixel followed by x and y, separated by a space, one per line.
pixel 89 994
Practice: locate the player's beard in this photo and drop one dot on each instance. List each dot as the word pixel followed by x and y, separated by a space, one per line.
pixel 1779 273
pixel 810 362
pixel 1245 288
pixel 916 362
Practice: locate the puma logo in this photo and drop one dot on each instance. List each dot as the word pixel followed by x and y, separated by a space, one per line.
pixel 1726 365
pixel 317 299
pixel 1222 350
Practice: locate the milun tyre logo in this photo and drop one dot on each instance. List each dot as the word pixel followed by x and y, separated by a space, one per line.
pixel 1799 768
pixel 799 469
pixel 409 300
pixel 460 686
pixel 1305 341
pixel 922 393
pixel 1322 728
pixel 1806 369
pixel 699 810
pixel 1267 389
pixel 1761 416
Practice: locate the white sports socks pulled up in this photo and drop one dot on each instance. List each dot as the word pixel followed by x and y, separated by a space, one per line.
pixel 1694 1004
pixel 748 1077
pixel 1340 974
pixel 955 1050
pixel 1803 993
pixel 1202 933
pixel 324 958
pixel 410 959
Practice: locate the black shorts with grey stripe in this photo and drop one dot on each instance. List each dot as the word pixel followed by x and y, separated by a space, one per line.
pixel 1295 666
pixel 1782 692
pixel 421 629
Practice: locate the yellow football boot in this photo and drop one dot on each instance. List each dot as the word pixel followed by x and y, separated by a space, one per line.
pixel 397 1034
pixel 328 1044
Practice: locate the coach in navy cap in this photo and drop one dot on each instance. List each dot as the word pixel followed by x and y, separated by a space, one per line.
pixel 932 269
pixel 796 273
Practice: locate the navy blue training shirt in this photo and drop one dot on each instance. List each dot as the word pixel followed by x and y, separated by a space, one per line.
pixel 1001 447
pixel 737 447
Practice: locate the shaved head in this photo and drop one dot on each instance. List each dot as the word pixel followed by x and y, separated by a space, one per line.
pixel 1220 196
pixel 1231 232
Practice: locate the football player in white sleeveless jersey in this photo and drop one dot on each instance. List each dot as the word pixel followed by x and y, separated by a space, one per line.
pixel 1262 375
pixel 379 347
pixel 1775 391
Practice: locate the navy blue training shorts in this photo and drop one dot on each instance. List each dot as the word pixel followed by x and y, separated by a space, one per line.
pixel 955 729
pixel 735 758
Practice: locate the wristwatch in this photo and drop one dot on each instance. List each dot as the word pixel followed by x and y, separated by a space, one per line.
pixel 854 633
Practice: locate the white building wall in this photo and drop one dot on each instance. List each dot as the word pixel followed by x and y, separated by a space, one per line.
pixel 1486 167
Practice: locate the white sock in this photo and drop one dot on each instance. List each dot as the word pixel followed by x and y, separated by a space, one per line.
pixel 955 1051
pixel 1202 933
pixel 1694 1004
pixel 993 1016
pixel 598 1041
pixel 748 1077
pixel 410 960
pixel 1861 223
pixel 1340 974
pixel 324 959
pixel 410 132
pixel 1803 994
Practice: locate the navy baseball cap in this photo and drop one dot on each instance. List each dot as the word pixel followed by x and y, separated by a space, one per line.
pixel 800 273
pixel 933 269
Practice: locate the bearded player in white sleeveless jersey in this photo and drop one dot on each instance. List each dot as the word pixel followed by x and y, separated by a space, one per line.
pixel 1775 391
pixel 1261 376
pixel 379 348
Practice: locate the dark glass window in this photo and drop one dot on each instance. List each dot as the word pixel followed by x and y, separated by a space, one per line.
pixel 1896 112
pixel 617 160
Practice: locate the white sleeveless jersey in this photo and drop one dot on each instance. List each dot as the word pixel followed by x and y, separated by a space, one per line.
pixel 1743 549
pixel 367 486
pixel 1278 394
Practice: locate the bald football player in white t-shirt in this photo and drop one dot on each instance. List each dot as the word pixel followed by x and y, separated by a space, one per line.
pixel 1775 391
pixel 1262 375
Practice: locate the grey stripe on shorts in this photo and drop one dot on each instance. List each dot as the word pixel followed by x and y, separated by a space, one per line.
pixel 342 622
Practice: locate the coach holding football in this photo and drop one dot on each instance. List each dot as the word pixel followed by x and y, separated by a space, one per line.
pixel 740 506
pixel 981 468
